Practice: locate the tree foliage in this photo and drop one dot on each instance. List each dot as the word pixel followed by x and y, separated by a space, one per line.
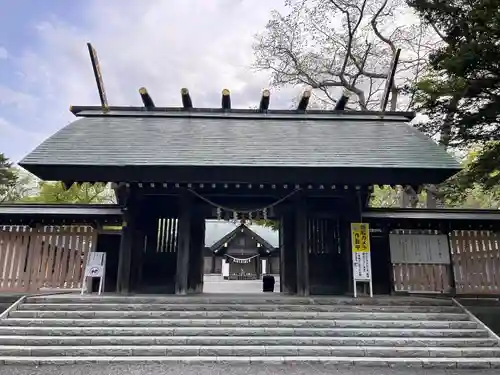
pixel 8 179
pixel 86 193
pixel 457 192
pixel 332 44
pixel 273 224
pixel 460 94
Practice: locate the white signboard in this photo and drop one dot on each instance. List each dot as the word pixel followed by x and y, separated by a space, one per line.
pixel 361 266
pixel 264 266
pixel 361 259
pixel 95 267
pixel 225 268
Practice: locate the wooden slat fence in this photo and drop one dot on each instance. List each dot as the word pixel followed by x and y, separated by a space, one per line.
pixel 422 277
pixel 49 257
pixel 425 278
pixel 476 261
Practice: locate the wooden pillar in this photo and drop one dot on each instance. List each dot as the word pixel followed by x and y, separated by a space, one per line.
pixel 257 260
pixel 196 259
pixel 125 252
pixel 288 258
pixel 213 264
pixel 345 238
pixel 302 254
pixel 183 243
pixel 136 259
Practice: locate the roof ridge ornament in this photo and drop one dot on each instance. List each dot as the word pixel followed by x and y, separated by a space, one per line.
pixel 187 103
pixel 304 101
pixel 146 99
pixel 98 77
pixel 390 80
pixel 264 100
pixel 226 99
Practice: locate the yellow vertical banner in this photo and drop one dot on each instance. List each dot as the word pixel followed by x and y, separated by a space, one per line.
pixel 361 260
pixel 360 235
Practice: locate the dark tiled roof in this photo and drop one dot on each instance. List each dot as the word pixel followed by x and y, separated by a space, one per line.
pixel 431 214
pixel 177 139
pixel 217 229
pixel 61 209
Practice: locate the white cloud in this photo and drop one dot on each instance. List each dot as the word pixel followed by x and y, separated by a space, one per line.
pixel 163 45
pixel 18 141
pixel 4 54
pixel 9 97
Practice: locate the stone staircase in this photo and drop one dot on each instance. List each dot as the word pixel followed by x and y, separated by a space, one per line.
pixel 389 331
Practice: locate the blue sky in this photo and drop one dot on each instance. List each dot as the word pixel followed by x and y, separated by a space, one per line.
pixel 161 44
pixel 19 35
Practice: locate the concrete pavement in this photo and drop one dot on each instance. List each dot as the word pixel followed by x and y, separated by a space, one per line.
pixel 219 369
pixel 216 284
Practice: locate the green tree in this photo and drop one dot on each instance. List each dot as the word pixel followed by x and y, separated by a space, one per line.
pixel 461 192
pixel 461 95
pixel 273 224
pixel 86 193
pixel 8 179
pixel 387 197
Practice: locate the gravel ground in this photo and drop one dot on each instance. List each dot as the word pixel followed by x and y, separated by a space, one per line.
pixel 179 369
pixel 218 285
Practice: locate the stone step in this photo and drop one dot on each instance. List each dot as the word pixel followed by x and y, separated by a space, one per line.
pixel 461 363
pixel 247 340
pixel 299 323
pixel 244 350
pixel 237 315
pixel 240 331
pixel 247 300
pixel 242 307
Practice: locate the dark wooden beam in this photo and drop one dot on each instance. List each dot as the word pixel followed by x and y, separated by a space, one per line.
pixel 346 248
pixel 184 243
pixel 252 175
pixel 125 252
pixel 288 258
pixel 301 248
pixel 196 256
pixel 358 115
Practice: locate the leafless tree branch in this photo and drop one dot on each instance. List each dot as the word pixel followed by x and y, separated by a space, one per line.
pixel 330 45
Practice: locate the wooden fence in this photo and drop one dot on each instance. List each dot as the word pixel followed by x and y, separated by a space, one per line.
pixel 476 261
pixel 50 257
pixel 425 278
pixel 473 267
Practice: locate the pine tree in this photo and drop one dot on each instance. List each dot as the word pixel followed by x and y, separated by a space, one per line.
pixel 461 95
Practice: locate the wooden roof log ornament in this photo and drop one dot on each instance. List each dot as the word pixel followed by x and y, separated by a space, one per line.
pixel 98 77
pixel 226 99
pixel 187 103
pixel 264 101
pixel 390 80
pixel 341 103
pixel 146 98
pixel 304 101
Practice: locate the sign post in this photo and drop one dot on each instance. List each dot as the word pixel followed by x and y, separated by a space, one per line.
pixel 361 260
pixel 95 267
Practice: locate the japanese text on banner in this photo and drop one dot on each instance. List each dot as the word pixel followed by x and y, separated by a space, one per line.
pixel 360 237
